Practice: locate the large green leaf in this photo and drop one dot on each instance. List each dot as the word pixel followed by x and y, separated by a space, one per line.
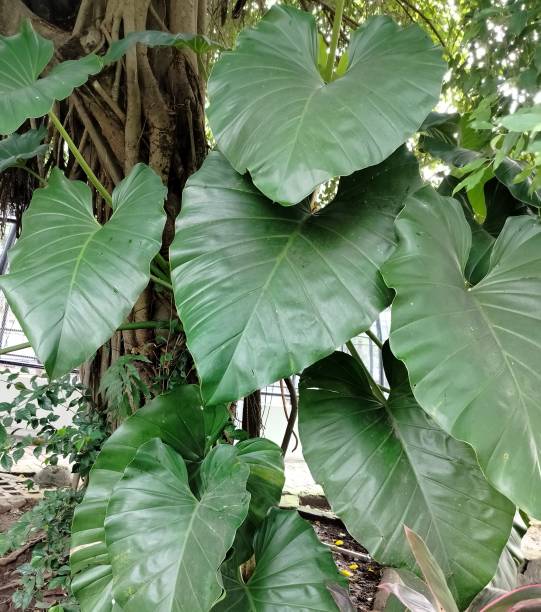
pixel 18 147
pixel 178 419
pixel 166 545
pixel 272 113
pixel 473 352
pixel 264 291
pixel 156 38
pixel 292 572
pixel 382 466
pixel 72 281
pixel 22 95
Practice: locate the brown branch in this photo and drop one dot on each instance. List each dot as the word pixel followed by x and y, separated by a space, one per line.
pixel 104 155
pixel 426 20
pixel 109 101
pixel 17 553
pixel 293 414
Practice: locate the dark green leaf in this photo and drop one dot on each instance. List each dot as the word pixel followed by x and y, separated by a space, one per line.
pixel 272 113
pixel 154 38
pixel 82 271
pixel 166 545
pixel 292 570
pixel 178 419
pixel 471 352
pixel 22 95
pixel 382 466
pixel 506 173
pixel 264 291
pixel 18 147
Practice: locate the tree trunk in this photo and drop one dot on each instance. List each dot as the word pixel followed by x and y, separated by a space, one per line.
pixel 148 107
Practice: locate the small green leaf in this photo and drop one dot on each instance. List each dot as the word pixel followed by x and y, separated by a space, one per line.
pixel 18 147
pixel 166 545
pixel 523 120
pixel 155 38
pixel 22 95
pixel 293 569
pixel 83 271
pixel 516 177
pixel 3 434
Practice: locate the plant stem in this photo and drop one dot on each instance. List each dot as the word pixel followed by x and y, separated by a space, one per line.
pixel 157 271
pixel 77 154
pixel 163 263
pixel 15 347
pixel 374 339
pixel 334 40
pixel 32 173
pixel 161 282
pixel 172 323
pixel 373 384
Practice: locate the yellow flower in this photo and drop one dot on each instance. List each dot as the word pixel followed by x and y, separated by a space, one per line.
pixel 353 566
pixel 346 573
pixel 339 542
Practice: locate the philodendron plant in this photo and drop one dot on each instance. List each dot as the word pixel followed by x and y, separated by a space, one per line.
pixel 267 284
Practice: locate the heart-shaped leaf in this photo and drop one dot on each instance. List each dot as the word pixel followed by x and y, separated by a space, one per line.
pixel 18 147
pixel 156 38
pixel 178 419
pixel 166 545
pixel 272 113
pixel 72 281
pixel 292 570
pixel 472 352
pixel 382 466
pixel 22 95
pixel 264 291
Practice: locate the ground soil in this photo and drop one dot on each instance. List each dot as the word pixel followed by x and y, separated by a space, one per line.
pixel 363 583
pixel 8 573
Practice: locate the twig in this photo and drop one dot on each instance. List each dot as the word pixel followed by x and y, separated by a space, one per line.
pixel 350 553
pixel 292 415
pixel 427 21
pixel 17 553
pixel 110 102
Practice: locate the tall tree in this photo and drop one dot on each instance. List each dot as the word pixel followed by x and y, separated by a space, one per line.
pixel 147 107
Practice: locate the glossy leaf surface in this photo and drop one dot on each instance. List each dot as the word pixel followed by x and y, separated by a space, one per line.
pixel 156 38
pixel 67 268
pixel 265 484
pixel 18 147
pixel 264 291
pixel 23 58
pixel 382 466
pixel 179 420
pixel 272 113
pixel 471 352
pixel 291 573
pixel 166 545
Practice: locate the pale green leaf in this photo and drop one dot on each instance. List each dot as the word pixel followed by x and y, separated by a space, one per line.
pixel 23 95
pixel 72 281
pixel 18 147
